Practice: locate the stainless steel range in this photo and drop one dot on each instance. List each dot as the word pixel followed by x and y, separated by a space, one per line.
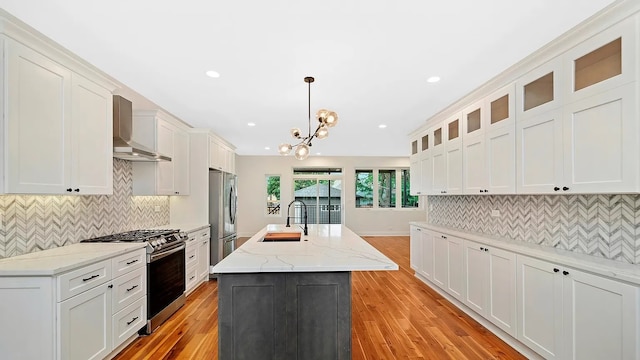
pixel 165 271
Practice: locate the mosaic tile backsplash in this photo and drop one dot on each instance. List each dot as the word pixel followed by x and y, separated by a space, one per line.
pixel 606 226
pixel 32 223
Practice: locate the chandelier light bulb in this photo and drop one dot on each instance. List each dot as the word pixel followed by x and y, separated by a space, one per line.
pixel 331 119
pixel 284 149
pixel 295 132
pixel 321 115
pixel 322 132
pixel 302 151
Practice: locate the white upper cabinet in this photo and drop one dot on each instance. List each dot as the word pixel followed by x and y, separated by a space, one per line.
pixel 420 165
pixel 221 156
pixel 540 90
pixel 58 122
pixel 500 137
pixel 474 154
pixel 446 156
pixel 160 132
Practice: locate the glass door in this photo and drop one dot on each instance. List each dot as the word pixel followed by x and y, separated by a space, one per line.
pixel 321 191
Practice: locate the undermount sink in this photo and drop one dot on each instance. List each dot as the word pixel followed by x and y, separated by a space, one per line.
pixel 281 236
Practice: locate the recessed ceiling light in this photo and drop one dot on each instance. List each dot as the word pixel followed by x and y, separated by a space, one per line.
pixel 318 153
pixel 382 126
pixel 433 79
pixel 213 74
pixel 251 124
pixel 267 148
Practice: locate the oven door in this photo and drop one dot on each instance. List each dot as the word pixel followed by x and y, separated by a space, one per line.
pixel 166 279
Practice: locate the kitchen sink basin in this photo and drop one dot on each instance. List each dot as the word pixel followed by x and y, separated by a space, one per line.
pixel 281 236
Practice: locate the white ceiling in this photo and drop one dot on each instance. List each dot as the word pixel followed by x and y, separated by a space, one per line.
pixel 370 59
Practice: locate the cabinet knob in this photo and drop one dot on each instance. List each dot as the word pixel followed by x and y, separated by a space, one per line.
pixel 69 189
pixel 76 190
pixel 556 188
pixel 481 248
pixel 556 270
pixel 564 188
pixel 444 237
pixel 565 272
pixel 485 190
pixel 110 286
pixel 486 249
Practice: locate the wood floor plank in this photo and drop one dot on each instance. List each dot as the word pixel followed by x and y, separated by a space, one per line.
pixel 394 316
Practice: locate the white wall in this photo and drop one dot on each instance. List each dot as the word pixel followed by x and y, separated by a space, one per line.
pixel 252 193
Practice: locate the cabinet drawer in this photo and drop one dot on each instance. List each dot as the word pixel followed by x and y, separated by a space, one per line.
pixel 128 262
pixel 191 255
pixel 128 321
pixel 203 234
pixel 128 288
pixel 83 279
pixel 191 278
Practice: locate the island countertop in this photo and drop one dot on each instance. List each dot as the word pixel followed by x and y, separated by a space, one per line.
pixel 327 248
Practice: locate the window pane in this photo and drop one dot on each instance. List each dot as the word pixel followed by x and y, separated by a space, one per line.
pixel 364 188
pixel 408 201
pixel 273 194
pixel 386 188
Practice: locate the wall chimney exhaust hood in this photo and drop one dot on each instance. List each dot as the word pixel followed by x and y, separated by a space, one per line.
pixel 123 145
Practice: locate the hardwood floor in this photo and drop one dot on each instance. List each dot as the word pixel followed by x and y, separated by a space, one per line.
pixel 394 316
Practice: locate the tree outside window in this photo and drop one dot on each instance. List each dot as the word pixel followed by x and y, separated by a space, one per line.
pixel 273 194
pixel 386 188
pixel 364 188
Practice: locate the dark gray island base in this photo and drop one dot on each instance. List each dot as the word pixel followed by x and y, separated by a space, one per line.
pixel 284 315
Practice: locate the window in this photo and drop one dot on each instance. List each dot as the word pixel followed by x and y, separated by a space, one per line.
pixel 389 190
pixel 364 188
pixel 321 191
pixel 273 194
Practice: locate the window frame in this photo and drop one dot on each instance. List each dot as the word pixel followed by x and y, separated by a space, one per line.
pixel 266 195
pixel 376 194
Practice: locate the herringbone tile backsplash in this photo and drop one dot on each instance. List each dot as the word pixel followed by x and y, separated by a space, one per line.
pixel 31 223
pixel 606 226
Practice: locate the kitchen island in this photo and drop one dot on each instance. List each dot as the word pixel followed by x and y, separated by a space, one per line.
pixel 292 299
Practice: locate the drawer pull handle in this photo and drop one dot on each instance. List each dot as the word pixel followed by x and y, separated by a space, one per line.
pixel 132 320
pixel 131 288
pixel 91 277
pixel 565 272
pixel 192 256
pixel 191 278
pixel 556 269
pixel 132 262
pixel 204 242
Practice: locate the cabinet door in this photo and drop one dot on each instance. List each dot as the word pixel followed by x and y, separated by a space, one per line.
pixel 601 142
pixel 439 163
pixel 84 327
pixel 456 280
pixel 500 161
pixel 415 248
pixel 426 167
pixel 476 271
pixel 92 133
pixel 600 317
pixel 475 167
pixel 415 173
pixel 501 301
pixel 539 306
pixel 540 90
pixel 453 154
pixel 440 261
pixel 203 258
pixel 215 155
pixel 165 182
pixel 540 154
pixel 427 254
pixel 38 112
pixel 180 162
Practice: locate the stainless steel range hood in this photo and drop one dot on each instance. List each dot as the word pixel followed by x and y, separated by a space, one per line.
pixel 123 145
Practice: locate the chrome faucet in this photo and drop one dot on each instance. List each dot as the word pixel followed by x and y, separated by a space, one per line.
pixel 306 229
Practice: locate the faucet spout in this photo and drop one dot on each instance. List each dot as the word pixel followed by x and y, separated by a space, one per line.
pixel 306 229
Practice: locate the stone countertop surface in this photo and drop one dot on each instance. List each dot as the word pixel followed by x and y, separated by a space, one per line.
pixel 327 248
pixel 61 259
pixel 606 267
pixel 184 227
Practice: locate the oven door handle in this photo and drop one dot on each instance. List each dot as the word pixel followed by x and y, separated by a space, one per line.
pixel 154 257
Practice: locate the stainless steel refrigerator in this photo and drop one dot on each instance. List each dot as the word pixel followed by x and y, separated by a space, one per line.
pixel 222 215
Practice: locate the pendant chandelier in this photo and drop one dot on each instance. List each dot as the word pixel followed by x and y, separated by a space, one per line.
pixel 326 119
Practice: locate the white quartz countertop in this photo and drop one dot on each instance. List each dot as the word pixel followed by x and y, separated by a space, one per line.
pixel 327 248
pixel 184 227
pixel 606 267
pixel 58 260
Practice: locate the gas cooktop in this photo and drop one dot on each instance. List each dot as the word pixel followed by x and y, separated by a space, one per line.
pixel 134 236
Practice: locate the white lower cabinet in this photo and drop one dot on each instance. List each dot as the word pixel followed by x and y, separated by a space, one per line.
pixel 84 326
pixel 197 259
pixel 564 313
pixel 544 308
pixel 448 264
pixel 491 284
pixel 84 313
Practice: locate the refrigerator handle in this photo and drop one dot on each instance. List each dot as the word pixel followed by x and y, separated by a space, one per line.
pixel 232 205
